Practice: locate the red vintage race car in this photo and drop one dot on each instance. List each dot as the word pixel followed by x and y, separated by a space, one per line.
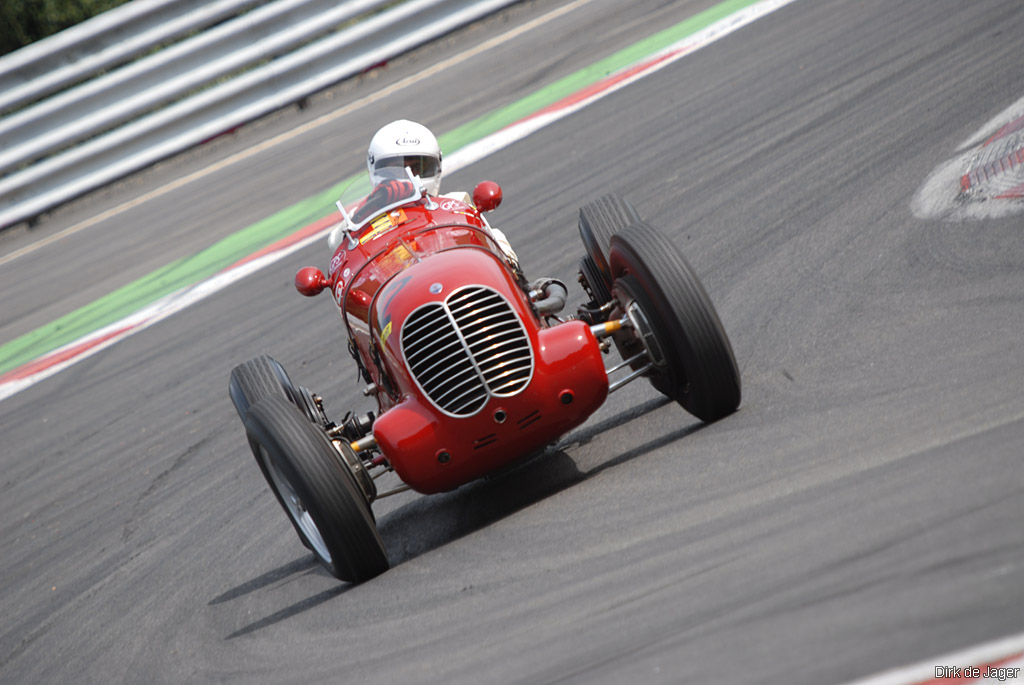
pixel 472 367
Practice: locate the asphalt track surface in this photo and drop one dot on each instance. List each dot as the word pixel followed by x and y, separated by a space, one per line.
pixel 861 511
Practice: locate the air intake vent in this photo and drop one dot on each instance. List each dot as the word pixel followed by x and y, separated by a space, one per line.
pixel 469 348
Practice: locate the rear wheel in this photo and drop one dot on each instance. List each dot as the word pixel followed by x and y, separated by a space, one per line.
pixel 693 360
pixel 599 221
pixel 593 282
pixel 317 490
pixel 259 378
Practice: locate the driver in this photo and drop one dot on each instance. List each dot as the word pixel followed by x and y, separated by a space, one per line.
pixel 403 144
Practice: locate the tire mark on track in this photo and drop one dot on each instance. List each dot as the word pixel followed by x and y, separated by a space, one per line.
pixel 137 508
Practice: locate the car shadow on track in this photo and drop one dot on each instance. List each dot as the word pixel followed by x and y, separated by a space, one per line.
pixel 428 523
pixel 301 565
pixel 304 565
pixel 290 611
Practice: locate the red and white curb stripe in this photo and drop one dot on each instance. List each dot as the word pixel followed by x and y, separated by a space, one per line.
pixel 1001 661
pixel 29 374
pixel 58 360
pixel 986 177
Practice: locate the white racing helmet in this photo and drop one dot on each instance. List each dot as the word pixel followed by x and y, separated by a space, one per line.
pixel 403 144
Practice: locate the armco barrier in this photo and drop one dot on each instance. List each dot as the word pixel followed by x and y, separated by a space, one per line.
pixel 136 143
pixel 103 42
pixel 121 95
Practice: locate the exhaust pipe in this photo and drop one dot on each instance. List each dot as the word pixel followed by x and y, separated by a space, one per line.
pixel 554 295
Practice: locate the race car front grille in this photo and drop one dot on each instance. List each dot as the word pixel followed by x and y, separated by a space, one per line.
pixel 467 349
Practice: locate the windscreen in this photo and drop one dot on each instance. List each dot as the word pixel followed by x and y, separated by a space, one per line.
pixel 385 196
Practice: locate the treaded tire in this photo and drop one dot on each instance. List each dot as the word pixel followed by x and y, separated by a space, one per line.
pixel 599 221
pixel 596 285
pixel 257 379
pixel 328 509
pixel 701 369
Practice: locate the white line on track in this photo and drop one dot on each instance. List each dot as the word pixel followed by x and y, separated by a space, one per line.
pixel 1008 653
pixel 56 361
pixel 150 315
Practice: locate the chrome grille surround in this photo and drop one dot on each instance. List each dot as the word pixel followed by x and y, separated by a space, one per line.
pixel 467 349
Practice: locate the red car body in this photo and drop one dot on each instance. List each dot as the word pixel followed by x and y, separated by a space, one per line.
pixel 470 365
pixel 468 376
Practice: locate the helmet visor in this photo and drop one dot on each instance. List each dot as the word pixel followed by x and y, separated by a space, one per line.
pixel 423 166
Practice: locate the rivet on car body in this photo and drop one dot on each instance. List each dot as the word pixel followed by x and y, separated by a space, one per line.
pixel 443 457
pixel 500 416
pixel 566 396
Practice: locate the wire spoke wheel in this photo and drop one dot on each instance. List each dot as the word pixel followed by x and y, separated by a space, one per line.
pixel 294 507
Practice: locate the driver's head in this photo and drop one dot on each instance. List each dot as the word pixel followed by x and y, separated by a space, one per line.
pixel 403 144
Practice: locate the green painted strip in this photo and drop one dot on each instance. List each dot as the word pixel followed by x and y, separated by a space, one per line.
pixel 549 95
pixel 191 270
pixel 178 274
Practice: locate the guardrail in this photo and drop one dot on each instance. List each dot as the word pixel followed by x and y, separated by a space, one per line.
pixel 103 42
pixel 142 86
pixel 122 121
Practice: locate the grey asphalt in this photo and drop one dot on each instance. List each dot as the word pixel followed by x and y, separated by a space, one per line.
pixel 862 510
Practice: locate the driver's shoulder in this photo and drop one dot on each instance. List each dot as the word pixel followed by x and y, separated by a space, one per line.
pixel 460 195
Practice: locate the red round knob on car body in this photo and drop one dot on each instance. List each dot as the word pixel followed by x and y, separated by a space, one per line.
pixel 310 281
pixel 487 196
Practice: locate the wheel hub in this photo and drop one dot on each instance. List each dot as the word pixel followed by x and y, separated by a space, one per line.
pixel 296 509
pixel 645 333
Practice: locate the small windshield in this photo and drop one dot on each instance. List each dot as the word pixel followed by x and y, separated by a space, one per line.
pixel 398 188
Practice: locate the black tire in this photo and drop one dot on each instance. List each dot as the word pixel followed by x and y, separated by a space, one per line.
pixel 599 221
pixel 264 376
pixel 700 368
pixel 594 282
pixel 317 491
pixel 258 379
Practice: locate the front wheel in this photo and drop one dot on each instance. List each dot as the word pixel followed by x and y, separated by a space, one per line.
pixel 317 490
pixel 693 360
